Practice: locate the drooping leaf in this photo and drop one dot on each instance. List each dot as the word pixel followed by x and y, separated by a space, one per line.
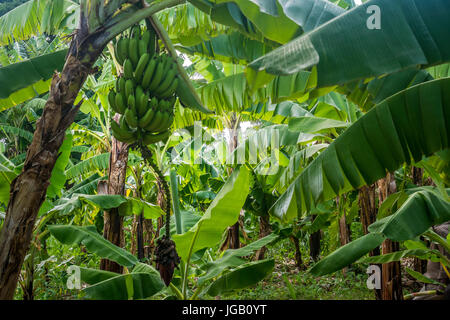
pixel 249 274
pixel 345 49
pixel 135 206
pixel 222 213
pixel 347 254
pixel 94 163
pixel 143 285
pixel 25 80
pixel 93 276
pixel 94 242
pixel 233 258
pixel 314 124
pixel 401 129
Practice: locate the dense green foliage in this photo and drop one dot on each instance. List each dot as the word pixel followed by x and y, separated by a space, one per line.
pixel 287 118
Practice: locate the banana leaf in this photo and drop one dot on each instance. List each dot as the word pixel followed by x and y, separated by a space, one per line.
pixel 124 287
pixel 345 49
pixel 401 129
pixel 94 242
pixel 245 276
pixel 222 213
pixel 27 79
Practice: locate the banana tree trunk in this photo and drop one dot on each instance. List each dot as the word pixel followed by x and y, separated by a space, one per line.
pixel 264 230
pixel 113 222
pixel 314 244
pixel 391 280
pixel 419 265
pixel 28 189
pixel 368 215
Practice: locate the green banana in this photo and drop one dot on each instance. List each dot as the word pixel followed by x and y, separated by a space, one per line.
pixel 164 124
pixel 135 32
pixel 131 118
pixel 132 104
pixel 128 69
pixel 157 77
pixel 119 57
pixel 129 87
pixel 150 138
pixel 119 132
pixel 173 86
pixel 141 103
pixel 170 76
pixel 146 119
pixel 164 118
pixel 149 73
pixel 122 85
pixel 152 42
pixel 142 47
pixel 141 67
pixel 120 102
pixel 133 51
pixel 172 102
pixel 117 84
pixel 146 37
pixel 155 121
pixel 112 101
pixel 154 103
pixel 122 50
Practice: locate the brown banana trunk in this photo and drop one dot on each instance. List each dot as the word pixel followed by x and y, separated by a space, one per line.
pixel 391 281
pixel 113 222
pixel 298 253
pixel 314 244
pixel 264 230
pixel 368 215
pixel 417 178
pixel 28 190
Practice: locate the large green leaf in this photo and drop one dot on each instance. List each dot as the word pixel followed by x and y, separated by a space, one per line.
pixel 94 163
pixel 124 287
pixel 35 17
pixel 401 129
pixel 6 177
pixel 25 80
pixel 17 132
pixel 424 254
pixel 135 206
pixel 188 25
pixel 314 124
pixel 93 276
pixel 345 49
pixel 222 213
pixel 233 258
pixel 422 210
pixel 58 177
pixel 102 201
pixel 249 274
pixel 347 254
pixel 94 242
pixel 234 47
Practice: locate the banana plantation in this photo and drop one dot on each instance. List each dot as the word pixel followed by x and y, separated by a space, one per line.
pixel 225 150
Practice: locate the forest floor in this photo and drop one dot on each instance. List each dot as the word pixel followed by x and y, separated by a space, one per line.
pixel 288 283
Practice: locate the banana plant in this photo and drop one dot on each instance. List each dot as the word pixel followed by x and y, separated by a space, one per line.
pixel 99 23
pixel 230 272
pixel 423 209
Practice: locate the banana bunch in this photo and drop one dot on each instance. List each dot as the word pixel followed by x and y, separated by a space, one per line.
pixel 144 95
